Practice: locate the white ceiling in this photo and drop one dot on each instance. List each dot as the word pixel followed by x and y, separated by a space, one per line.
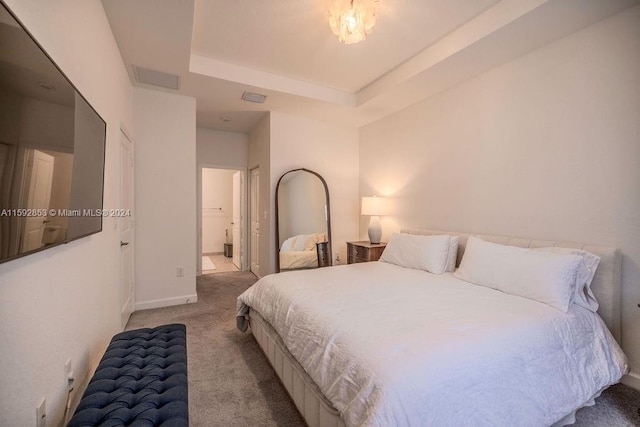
pixel 26 70
pixel 285 50
pixel 293 39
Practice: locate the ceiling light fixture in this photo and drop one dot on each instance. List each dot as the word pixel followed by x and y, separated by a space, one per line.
pixel 352 20
pixel 225 118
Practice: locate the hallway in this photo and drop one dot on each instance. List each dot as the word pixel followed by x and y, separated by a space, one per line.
pixel 222 264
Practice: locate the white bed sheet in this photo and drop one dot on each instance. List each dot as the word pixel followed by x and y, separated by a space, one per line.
pixel 394 346
pixel 298 259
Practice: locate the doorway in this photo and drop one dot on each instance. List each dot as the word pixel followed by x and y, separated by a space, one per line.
pixel 221 220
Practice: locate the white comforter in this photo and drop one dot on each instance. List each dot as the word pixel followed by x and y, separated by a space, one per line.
pixel 290 260
pixel 390 346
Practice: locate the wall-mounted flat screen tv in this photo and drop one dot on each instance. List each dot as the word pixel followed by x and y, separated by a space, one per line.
pixel 52 145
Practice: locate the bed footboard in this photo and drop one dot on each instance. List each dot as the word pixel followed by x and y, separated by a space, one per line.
pixel 314 407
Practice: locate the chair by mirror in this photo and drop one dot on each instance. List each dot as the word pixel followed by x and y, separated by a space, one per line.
pixel 303 221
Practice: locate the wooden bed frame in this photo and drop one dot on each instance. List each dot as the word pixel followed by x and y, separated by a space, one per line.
pixel 319 412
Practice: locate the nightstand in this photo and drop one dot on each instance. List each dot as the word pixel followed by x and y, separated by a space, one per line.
pixel 364 251
pixel 324 259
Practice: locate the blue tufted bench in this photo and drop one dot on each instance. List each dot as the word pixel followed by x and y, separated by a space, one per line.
pixel 140 381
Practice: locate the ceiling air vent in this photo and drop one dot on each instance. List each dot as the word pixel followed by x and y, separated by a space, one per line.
pixel 253 97
pixel 156 78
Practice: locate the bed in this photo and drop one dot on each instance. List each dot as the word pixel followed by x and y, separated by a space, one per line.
pixel 381 344
pixel 300 252
pixel 295 260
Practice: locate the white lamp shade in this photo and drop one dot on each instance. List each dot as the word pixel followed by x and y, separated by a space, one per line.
pixel 375 206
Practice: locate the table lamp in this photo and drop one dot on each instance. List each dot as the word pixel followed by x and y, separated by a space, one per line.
pixel 375 207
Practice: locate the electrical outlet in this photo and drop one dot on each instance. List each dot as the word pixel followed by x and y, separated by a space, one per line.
pixel 41 413
pixel 68 374
pixel 180 272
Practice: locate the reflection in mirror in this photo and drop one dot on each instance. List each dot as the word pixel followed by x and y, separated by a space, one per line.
pixel 303 223
pixel 51 150
pixel 46 185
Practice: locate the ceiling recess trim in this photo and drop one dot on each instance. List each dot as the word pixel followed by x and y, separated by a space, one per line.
pixel 236 73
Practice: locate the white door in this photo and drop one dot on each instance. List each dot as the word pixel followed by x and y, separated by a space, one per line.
pixel 125 225
pixel 255 221
pixel 237 218
pixel 40 176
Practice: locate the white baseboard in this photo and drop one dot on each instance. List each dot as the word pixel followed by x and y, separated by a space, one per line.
pixel 632 380
pixel 166 302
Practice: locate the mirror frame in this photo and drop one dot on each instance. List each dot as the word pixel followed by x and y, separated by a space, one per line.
pixel 327 214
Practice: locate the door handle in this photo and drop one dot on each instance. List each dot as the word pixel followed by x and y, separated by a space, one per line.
pixel 123 243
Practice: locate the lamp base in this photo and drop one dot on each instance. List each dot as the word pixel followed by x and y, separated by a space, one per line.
pixel 375 230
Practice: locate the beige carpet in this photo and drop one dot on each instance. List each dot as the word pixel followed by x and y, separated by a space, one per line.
pixel 230 381
pixel 232 384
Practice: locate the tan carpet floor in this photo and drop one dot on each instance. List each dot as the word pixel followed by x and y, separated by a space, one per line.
pixel 230 381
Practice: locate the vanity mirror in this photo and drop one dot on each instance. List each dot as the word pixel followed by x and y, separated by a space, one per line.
pixel 303 221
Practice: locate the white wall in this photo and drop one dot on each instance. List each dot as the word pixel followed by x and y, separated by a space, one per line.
pixel 331 151
pixel 62 303
pixel 217 208
pixel 55 125
pixel 218 148
pixel 281 142
pixel 545 146
pixel 165 198
pixel 10 115
pixel 86 168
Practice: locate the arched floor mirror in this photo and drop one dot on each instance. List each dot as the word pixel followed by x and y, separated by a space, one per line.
pixel 303 221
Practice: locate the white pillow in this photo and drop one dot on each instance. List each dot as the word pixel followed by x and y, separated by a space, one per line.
pixel 416 251
pixel 311 241
pixel 288 245
pixel 452 255
pixel 305 242
pixel 583 296
pixel 542 276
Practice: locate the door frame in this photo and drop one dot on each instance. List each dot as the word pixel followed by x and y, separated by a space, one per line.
pixel 243 209
pixel 123 317
pixel 250 186
pixel 29 185
pixel 236 214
